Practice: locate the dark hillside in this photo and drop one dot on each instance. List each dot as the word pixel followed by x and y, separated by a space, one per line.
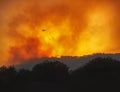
pixel 99 75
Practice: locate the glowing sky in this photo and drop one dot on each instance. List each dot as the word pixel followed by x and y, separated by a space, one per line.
pixel 53 28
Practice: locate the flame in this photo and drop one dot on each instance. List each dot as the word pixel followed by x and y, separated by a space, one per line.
pixel 66 28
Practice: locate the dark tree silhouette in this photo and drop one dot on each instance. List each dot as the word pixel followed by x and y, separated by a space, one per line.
pixel 51 71
pixel 99 73
pixel 7 74
pixel 23 75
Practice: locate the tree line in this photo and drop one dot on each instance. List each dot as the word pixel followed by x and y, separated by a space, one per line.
pixel 97 75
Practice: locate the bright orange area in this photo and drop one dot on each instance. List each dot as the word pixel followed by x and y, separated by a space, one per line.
pixel 96 37
pixel 63 29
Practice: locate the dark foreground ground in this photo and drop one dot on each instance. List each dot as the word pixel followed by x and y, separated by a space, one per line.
pixel 99 75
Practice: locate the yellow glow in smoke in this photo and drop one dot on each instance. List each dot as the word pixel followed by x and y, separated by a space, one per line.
pixel 96 37
pixel 49 34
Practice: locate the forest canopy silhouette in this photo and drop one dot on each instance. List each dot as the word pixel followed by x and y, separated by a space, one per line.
pixel 99 73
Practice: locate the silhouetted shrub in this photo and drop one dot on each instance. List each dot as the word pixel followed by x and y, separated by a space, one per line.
pixel 24 75
pixel 99 73
pixel 50 71
pixel 102 64
pixel 7 74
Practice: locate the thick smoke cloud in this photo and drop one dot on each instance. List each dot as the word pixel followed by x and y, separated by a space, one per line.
pixel 39 28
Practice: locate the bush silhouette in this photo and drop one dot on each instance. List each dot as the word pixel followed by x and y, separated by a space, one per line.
pixel 7 74
pixel 102 64
pixel 99 73
pixel 23 75
pixel 50 71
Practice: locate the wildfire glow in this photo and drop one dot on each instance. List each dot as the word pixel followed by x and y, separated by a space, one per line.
pixel 46 28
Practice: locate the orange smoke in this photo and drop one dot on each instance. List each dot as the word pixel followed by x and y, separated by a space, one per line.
pixel 50 28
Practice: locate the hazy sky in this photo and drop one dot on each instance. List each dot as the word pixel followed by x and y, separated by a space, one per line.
pixel 37 28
